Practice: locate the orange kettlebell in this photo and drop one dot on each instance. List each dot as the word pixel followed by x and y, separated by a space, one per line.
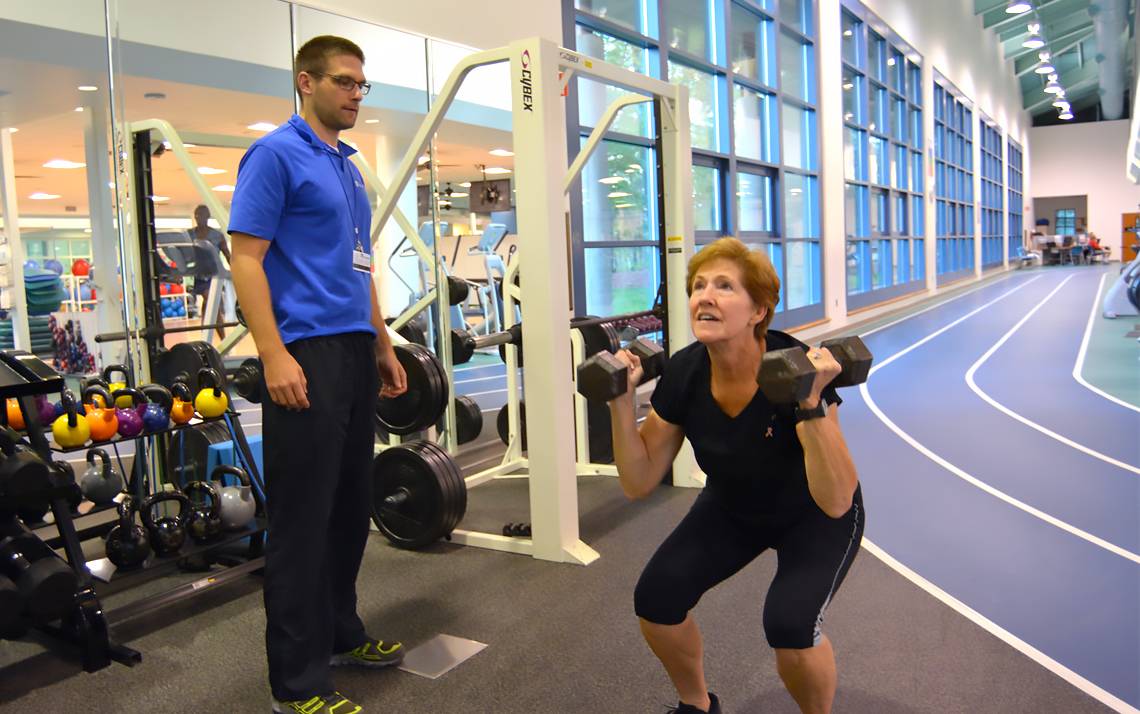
pixel 182 407
pixel 15 416
pixel 101 418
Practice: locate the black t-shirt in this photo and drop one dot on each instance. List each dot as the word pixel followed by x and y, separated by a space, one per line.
pixel 754 463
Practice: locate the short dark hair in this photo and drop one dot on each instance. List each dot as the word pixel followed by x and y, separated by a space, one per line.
pixel 314 55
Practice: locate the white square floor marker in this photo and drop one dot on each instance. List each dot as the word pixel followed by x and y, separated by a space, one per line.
pixel 440 655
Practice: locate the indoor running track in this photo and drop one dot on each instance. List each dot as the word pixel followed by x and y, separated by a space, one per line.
pixel 1002 484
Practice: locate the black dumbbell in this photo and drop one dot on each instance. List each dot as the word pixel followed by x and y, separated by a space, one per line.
pixel 247 380
pixel 786 375
pixel 46 584
pixel 604 377
pixel 464 344
pixel 517 530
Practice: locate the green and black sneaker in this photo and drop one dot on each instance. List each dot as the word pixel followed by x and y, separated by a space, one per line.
pixel 373 653
pixel 335 703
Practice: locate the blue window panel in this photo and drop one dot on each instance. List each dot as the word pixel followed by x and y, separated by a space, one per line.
pixel 855 154
pixel 857 222
pixel 881 260
pixel 902 264
pixel 917 216
pixel 627 209
pixel 754 198
pixel 804 283
pixel 916 172
pixel 858 266
pixel 754 122
pixel 801 206
pixel 918 259
pixel 797 68
pixel 878 163
pixel 899 217
pixel 800 138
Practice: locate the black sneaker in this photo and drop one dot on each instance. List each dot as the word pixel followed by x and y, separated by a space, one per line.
pixel 682 708
pixel 335 703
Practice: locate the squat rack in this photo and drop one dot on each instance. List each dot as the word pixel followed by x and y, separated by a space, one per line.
pixel 539 69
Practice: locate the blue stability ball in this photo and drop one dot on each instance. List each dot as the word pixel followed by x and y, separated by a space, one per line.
pixel 30 264
pixel 54 266
pixel 85 290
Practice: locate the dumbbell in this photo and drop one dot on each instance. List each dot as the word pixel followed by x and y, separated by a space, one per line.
pixel 247 380
pixel 517 530
pixel 46 584
pixel 604 377
pixel 464 344
pixel 786 376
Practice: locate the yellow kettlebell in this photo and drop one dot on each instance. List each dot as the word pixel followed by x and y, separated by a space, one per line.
pixel 70 429
pixel 112 387
pixel 211 401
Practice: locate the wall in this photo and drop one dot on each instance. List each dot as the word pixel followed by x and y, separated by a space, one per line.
pixel 1087 159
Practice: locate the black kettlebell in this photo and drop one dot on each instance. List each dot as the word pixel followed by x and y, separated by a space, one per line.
pixel 127 544
pixel 205 520
pixel 168 533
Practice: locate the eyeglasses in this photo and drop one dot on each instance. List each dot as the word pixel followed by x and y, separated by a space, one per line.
pixel 346 83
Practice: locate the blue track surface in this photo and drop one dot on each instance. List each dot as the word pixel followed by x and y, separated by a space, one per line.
pixel 1059 573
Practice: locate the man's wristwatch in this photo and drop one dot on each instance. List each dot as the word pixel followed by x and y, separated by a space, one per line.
pixel 819 410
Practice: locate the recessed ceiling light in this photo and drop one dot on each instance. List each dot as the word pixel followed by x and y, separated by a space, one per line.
pixel 848 86
pixel 210 171
pixel 371 121
pixel 501 152
pixel 891 62
pixel 261 126
pixel 795 191
pixel 79 109
pixel 848 33
pixel 224 188
pixel 424 159
pixel 623 205
pixel 41 196
pixel 166 145
pixel 1018 7
pixel 466 184
pixel 612 179
pixel 160 199
pixel 63 164
pixel 87 88
pixel 13 129
pixel 458 195
pixel 189 145
pixel 497 170
pixel 617 194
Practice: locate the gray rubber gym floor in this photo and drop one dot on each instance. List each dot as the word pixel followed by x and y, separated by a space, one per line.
pixel 561 638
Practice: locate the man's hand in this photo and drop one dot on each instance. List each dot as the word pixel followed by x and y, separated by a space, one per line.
pixel 286 381
pixel 393 380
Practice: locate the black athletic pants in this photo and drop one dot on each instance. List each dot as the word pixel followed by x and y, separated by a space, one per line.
pixel 710 544
pixel 318 465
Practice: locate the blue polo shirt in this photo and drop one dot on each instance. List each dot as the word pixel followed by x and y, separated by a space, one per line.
pixel 308 200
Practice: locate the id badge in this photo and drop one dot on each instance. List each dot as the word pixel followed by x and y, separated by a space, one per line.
pixel 361 261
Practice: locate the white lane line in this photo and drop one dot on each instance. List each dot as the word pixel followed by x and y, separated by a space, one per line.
pixel 973 385
pixel 480 379
pixel 1001 495
pixel 481 394
pixel 947 301
pixel 1079 366
pixel 932 335
pixel 1068 675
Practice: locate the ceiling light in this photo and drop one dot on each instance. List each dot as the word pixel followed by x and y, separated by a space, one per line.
pixel 12 129
pixel 455 194
pixel 210 171
pixel 848 33
pixel 848 86
pixel 79 109
pixel 224 188
pixel 261 126
pixel 1052 87
pixel 188 145
pixel 160 199
pixel 63 164
pixel 1017 7
pixel 87 88
pixel 623 205
pixel 1066 115
pixel 1033 42
pixel 466 184
pixel 617 194
pixel 501 152
pixel 1060 101
pixel 1045 66
pixel 795 191
pixel 41 196
pixel 424 159
pixel 497 170
pixel 608 180
pixel 891 62
pixel 371 121
pixel 635 167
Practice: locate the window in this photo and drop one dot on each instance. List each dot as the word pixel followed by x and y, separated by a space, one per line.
pixel 629 13
pixel 1015 228
pixel 702 104
pixel 797 68
pixel 688 27
pixel 625 279
pixel 992 200
pixel 799 134
pixel 1066 221
pixel 954 182
pixel 619 194
pixel 754 194
pixel 752 46
pixel 706 198
pixel 754 122
pixel 594 97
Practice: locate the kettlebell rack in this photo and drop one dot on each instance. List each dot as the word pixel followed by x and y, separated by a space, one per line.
pixel 88 625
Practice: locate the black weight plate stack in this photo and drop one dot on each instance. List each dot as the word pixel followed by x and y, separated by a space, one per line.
pixel 468 419
pixel 502 426
pixel 436 495
pixel 412 331
pixel 182 362
pixel 596 338
pixel 189 451
pixel 426 398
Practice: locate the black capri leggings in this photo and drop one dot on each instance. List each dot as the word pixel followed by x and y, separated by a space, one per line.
pixel 710 545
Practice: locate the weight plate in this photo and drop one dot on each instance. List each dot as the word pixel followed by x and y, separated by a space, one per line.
pixel 442 473
pixel 411 472
pixel 182 362
pixel 468 419
pixel 501 424
pixel 420 406
pixel 453 476
pixel 596 338
pixel 444 388
pixel 188 453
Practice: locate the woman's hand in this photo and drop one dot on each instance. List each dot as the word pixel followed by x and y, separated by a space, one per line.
pixel 826 369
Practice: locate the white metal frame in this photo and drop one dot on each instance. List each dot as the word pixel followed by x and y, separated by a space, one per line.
pixel 541 182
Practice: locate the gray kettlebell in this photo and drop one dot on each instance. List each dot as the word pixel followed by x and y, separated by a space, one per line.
pixel 100 484
pixel 237 505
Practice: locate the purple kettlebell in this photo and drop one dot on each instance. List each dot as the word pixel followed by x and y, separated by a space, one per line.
pixel 46 410
pixel 130 418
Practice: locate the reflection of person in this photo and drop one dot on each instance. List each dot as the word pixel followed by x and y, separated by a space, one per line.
pixel 207 242
pixel 778 477
pixel 302 268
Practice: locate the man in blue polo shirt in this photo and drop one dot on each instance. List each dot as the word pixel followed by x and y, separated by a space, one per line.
pixel 302 269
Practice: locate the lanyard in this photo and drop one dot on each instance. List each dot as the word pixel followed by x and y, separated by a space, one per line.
pixel 349 201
